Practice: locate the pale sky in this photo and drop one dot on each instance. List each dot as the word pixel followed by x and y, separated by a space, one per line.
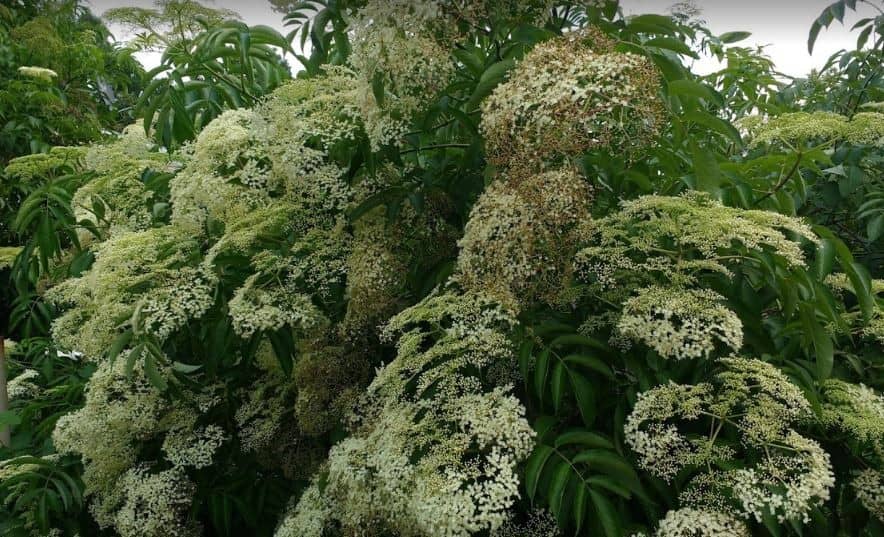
pixel 782 25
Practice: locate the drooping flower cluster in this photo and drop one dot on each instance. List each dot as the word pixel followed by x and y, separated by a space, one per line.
pixel 780 474
pixel 855 409
pixel 433 450
pixel 141 278
pixel 41 73
pixel 570 95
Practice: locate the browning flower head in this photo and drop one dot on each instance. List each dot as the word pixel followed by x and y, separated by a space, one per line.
pixel 570 95
pixel 521 235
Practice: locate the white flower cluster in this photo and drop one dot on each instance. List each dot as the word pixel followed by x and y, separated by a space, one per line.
pixel 41 73
pixel 680 323
pixel 690 522
pixel 781 474
pixel 266 309
pixel 156 504
pixel 132 270
pixel 521 236
pixel 797 128
pixel 856 409
pixel 869 487
pixel 167 309
pixel 570 95
pixel 22 387
pixel 400 70
pixel 785 485
pixel 193 447
pixel 117 185
pixel 436 455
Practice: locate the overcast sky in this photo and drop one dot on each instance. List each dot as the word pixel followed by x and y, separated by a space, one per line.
pixel 781 25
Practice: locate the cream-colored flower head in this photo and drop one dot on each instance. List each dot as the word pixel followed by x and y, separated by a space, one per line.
pixel 570 95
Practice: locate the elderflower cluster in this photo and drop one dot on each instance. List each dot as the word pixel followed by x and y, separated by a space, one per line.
pixel 132 270
pixel 776 471
pixel 40 73
pixel 22 385
pixel 680 323
pixel 521 235
pixel 229 148
pixel 854 408
pixel 193 447
pixel 470 439
pixel 797 128
pixel 866 128
pixel 157 504
pixel 785 485
pixel 125 203
pixel 697 223
pixel 690 522
pixel 540 523
pixel 399 72
pixel 187 297
pixel 119 411
pixel 869 488
pixel 257 307
pixel 38 166
pixel 570 95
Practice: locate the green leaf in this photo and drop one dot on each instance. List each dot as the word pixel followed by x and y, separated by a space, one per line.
pixel 670 43
pixel 824 259
pixel 541 370
pixel 733 37
pixel 153 374
pixel 824 351
pixel 9 417
pixel 706 169
pixel 377 87
pixel 584 438
pixel 185 368
pixel 534 467
pixel 558 484
pixel 585 395
pixel 875 227
pixel 557 383
pixel 579 507
pixel 691 88
pixel 489 80
pixel 606 514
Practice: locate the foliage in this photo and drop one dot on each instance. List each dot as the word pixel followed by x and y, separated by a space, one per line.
pixel 62 81
pixel 211 62
pixel 494 268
